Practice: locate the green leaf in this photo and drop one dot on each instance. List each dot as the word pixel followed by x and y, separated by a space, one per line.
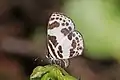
pixel 50 72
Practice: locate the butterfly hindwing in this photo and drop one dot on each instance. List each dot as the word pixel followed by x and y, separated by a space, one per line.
pixel 70 46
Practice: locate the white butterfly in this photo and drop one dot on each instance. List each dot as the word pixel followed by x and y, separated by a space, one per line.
pixel 64 41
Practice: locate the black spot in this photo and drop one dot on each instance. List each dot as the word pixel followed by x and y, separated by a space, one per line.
pixel 69 28
pixel 77 52
pixel 53 40
pixel 77 41
pixel 60 55
pixel 70 36
pixel 80 48
pixel 73 35
pixel 60 49
pixel 60 18
pixel 76 38
pixel 52 18
pixel 53 25
pixel 71 52
pixel 57 18
pixel 63 24
pixel 65 31
pixel 73 44
pixel 67 24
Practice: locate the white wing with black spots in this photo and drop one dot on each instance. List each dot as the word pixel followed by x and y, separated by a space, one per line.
pixel 59 26
pixel 70 46
pixel 64 41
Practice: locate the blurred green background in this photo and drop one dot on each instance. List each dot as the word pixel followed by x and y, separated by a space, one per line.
pixel 99 23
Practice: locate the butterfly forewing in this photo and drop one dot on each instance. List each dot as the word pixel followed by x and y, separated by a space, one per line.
pixel 59 26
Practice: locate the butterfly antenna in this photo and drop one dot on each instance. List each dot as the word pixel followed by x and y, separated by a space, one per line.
pixel 36 59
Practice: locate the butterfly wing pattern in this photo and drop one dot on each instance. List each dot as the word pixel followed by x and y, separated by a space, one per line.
pixel 64 41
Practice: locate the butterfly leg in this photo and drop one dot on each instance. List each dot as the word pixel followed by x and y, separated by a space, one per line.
pixel 66 62
pixel 51 61
pixel 58 62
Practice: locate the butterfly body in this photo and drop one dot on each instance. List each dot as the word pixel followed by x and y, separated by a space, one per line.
pixel 64 41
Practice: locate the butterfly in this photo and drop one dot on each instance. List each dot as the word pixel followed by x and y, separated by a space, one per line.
pixel 63 41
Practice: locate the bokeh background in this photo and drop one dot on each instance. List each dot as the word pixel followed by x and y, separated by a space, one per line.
pixel 23 26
